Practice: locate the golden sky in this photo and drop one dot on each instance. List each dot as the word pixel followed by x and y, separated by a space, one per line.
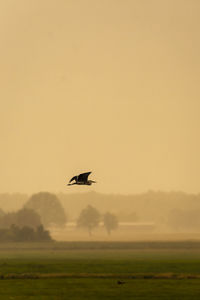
pixel 110 86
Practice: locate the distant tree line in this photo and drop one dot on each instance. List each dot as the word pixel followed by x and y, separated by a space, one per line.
pixel 175 211
pixel 151 206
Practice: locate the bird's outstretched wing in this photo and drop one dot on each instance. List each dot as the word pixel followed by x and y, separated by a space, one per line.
pixel 83 177
pixel 74 178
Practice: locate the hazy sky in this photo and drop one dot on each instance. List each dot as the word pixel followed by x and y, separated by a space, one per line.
pixel 111 86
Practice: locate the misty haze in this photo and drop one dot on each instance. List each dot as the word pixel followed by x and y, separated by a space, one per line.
pixel 108 87
pixel 120 98
pixel 146 216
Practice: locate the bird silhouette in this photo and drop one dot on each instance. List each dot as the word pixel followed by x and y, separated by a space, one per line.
pixel 120 282
pixel 81 179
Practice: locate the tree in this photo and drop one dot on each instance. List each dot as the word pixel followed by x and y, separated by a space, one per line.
pixel 110 222
pixel 42 235
pixel 23 217
pixel 27 217
pixel 49 208
pixel 89 218
pixel 24 234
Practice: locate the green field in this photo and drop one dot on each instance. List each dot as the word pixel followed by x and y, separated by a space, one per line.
pixel 65 271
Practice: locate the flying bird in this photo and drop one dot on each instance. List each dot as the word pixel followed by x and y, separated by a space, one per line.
pixel 81 179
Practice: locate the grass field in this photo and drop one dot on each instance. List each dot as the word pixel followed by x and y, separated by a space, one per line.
pixel 56 271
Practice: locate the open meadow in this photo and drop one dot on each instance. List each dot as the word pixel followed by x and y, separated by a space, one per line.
pixel 92 271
